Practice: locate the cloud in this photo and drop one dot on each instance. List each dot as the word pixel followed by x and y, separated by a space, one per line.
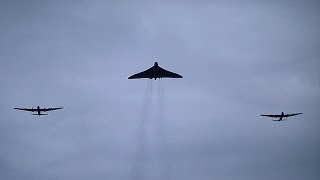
pixel 238 60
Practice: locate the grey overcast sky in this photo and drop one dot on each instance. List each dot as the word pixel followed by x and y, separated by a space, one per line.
pixel 239 59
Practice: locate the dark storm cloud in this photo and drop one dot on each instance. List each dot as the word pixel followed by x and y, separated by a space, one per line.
pixel 238 59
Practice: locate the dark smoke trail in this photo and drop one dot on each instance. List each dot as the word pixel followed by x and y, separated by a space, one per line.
pixel 161 131
pixel 139 166
pixel 151 161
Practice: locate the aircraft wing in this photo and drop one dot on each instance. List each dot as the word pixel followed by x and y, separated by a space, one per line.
pixel 50 109
pixel 144 74
pixel 288 115
pixel 26 109
pixel 271 115
pixel 157 72
pixel 168 74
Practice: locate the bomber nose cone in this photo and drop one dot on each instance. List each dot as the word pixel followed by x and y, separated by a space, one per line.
pixel 156 64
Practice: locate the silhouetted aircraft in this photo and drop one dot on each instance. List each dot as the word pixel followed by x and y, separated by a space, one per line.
pixel 38 110
pixel 155 72
pixel 280 116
